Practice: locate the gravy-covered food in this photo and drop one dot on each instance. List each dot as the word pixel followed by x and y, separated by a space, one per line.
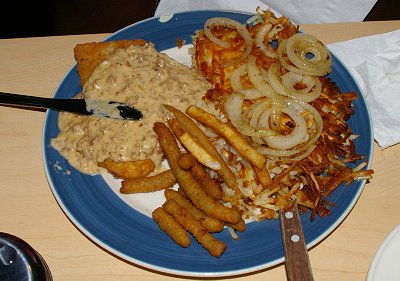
pixel 138 76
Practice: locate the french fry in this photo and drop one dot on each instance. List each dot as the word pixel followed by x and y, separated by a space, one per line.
pixel 128 169
pixel 157 182
pixel 211 224
pixel 241 226
pixel 188 162
pixel 197 195
pixel 263 176
pixel 230 134
pixel 193 146
pixel 190 126
pixel 168 224
pixel 214 246
pixel 181 192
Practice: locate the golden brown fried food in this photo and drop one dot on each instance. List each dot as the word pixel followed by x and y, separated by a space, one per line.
pixel 193 146
pixel 188 162
pixel 241 226
pixel 190 126
pixel 230 134
pixel 211 224
pixel 168 224
pixel 157 182
pixel 263 176
pixel 89 55
pixel 128 169
pixel 214 246
pixel 185 179
pixel 181 192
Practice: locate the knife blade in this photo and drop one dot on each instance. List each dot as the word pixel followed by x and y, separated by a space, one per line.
pixel 98 108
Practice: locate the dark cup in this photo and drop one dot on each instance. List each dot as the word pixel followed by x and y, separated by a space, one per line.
pixel 19 261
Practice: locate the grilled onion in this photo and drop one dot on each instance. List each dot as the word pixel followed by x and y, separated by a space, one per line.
pixel 233 108
pixel 241 29
pixel 237 84
pixel 304 54
pixel 257 80
pixel 290 79
pixel 259 41
pixel 306 145
pixel 295 137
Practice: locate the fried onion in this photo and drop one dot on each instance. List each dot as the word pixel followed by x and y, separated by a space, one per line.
pixel 257 79
pixel 305 54
pixel 241 29
pixel 311 92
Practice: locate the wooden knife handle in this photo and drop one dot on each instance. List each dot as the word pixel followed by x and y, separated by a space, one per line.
pixel 298 267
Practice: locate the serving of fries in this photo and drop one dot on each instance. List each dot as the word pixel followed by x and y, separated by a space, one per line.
pixel 272 131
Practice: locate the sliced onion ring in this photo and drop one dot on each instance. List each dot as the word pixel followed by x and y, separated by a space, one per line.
pixel 276 83
pixel 290 79
pixel 241 29
pixel 308 53
pixel 319 65
pixel 276 110
pixel 295 137
pixel 304 149
pixel 259 41
pixel 257 79
pixel 233 108
pixel 237 84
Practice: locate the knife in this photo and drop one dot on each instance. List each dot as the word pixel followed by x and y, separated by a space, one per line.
pixel 103 109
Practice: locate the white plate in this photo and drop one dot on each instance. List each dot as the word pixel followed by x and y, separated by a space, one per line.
pixel 386 264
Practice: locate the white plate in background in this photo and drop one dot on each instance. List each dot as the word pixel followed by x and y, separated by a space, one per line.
pixel 386 264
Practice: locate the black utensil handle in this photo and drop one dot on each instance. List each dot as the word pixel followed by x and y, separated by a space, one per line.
pixel 72 105
pixel 15 99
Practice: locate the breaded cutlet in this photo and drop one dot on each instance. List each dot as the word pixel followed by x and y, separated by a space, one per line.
pixel 89 55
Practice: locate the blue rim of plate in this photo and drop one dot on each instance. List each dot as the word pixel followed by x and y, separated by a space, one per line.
pixel 113 225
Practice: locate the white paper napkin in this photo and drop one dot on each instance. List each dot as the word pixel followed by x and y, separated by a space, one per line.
pixel 320 11
pixel 299 11
pixel 374 62
pixel 166 7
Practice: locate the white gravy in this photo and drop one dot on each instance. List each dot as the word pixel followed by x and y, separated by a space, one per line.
pixel 138 76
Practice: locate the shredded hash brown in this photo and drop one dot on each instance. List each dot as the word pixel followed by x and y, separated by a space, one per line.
pixel 308 181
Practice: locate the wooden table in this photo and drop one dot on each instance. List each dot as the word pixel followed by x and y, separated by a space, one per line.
pixel 35 66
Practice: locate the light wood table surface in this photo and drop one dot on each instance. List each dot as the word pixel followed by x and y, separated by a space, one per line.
pixel 35 66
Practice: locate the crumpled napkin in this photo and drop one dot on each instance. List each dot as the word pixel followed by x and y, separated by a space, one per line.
pixel 374 61
pixel 166 7
pixel 299 11
pixel 317 11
